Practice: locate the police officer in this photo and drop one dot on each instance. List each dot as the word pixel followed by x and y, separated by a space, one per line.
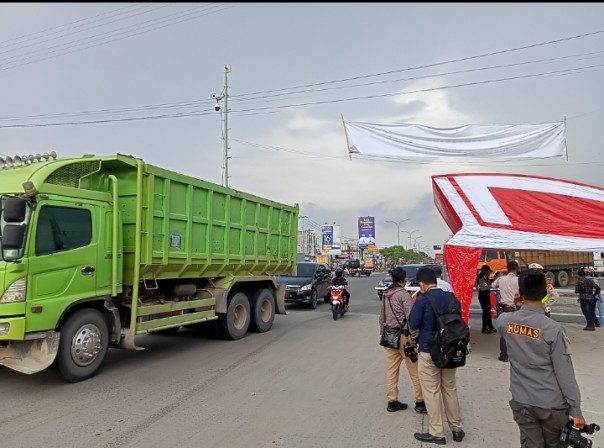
pixel 544 390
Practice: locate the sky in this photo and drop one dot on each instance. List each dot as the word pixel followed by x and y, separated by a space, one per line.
pixel 139 79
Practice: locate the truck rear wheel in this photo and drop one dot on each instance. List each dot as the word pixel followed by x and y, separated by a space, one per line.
pixel 551 276
pixel 563 278
pixel 235 323
pixel 83 345
pixel 263 310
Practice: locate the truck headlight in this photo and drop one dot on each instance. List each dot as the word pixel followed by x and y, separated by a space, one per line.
pixel 15 292
pixel 4 328
pixel 306 287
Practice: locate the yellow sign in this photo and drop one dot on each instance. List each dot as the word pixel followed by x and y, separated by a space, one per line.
pixel 524 330
pixel 372 248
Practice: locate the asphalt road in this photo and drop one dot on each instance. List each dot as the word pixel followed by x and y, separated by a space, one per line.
pixel 309 382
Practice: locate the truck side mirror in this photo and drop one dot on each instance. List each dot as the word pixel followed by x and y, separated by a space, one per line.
pixel 14 209
pixel 13 237
pixel 13 241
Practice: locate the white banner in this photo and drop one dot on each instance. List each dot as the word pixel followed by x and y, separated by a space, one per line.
pixel 475 141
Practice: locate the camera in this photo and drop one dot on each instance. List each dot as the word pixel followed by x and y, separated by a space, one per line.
pixel 573 438
pixel 410 352
pixel 217 106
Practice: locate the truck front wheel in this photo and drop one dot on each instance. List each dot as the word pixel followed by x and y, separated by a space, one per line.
pixel 235 323
pixel 83 345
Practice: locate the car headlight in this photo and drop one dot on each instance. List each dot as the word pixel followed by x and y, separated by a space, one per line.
pixel 306 287
pixel 15 292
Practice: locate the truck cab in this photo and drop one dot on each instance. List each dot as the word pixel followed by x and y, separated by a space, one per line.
pixel 497 260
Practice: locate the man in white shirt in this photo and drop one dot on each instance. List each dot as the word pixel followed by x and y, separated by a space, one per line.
pixel 440 283
pixel 509 292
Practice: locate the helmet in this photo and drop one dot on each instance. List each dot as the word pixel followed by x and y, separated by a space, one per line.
pixel 339 272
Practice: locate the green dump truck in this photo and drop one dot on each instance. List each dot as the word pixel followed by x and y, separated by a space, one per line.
pixel 98 250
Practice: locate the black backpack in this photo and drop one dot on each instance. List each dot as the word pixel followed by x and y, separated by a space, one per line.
pixel 449 347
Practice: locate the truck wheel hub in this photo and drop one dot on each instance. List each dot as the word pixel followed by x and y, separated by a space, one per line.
pixel 86 345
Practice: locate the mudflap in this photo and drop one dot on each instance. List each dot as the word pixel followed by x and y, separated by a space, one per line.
pixel 30 356
pixel 280 299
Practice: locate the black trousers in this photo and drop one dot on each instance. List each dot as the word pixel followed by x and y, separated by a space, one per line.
pixel 539 427
pixel 484 297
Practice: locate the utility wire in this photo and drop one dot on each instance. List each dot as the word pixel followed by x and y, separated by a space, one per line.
pixel 435 64
pixel 274 109
pixel 565 72
pixel 62 52
pixel 29 36
pixel 436 75
pixel 47 37
pixel 208 100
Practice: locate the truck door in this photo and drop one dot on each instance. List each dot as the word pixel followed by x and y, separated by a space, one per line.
pixel 63 257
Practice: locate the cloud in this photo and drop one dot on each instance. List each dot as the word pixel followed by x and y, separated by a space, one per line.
pixel 433 108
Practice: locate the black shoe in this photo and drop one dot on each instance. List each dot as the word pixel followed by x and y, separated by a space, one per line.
pixel 420 407
pixel 503 358
pixel 394 406
pixel 458 435
pixel 491 330
pixel 429 438
pixel 484 331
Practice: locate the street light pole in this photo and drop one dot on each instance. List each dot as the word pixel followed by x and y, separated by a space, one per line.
pixel 410 233
pixel 398 229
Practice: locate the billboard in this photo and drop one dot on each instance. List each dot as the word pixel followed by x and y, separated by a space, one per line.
pixel 327 241
pixel 366 232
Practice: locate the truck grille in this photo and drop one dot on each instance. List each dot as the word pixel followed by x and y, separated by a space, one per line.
pixel 292 288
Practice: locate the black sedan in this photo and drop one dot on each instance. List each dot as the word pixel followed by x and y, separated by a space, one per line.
pixel 310 283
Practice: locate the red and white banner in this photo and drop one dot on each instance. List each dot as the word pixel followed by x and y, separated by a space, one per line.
pixel 513 211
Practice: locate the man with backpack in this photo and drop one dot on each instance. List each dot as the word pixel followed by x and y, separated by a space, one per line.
pixel 438 383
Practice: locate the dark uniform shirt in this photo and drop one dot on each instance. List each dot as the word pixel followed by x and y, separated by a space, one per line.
pixel 541 368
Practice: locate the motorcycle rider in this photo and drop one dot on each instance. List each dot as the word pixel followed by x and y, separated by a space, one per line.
pixel 339 280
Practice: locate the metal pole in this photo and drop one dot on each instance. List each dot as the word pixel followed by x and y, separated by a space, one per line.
pixel 227 70
pixel 398 229
pixel 410 233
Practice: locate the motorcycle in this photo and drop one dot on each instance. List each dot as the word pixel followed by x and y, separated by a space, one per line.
pixel 338 304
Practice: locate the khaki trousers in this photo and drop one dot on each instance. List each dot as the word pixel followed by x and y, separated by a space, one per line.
pixel 395 358
pixel 439 386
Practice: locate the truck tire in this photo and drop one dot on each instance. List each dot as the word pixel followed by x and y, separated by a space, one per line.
pixel 551 276
pixel 83 345
pixel 263 310
pixel 235 323
pixel 563 278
